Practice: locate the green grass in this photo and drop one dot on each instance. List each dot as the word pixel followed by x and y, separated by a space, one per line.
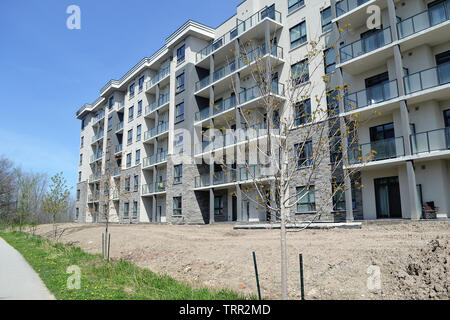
pixel 115 280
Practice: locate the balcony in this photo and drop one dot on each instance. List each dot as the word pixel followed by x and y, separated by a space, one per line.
pixel 376 151
pixel 98 136
pixel 239 175
pixel 239 30
pixel 163 100
pixel 96 157
pixel 149 189
pixel 429 84
pixel 94 196
pixel 255 92
pixel 118 149
pixel 100 116
pixel 424 21
pixel 243 62
pixel 346 6
pixel 231 139
pixel 355 57
pixel 119 127
pixel 371 96
pixel 161 75
pixel 152 160
pixel 95 177
pixel 431 141
pixel 160 129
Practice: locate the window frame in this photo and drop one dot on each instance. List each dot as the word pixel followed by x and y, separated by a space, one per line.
pixel 130 137
pixel 177 210
pixel 129 155
pixel 130 113
pixel 303 38
pixel 136 183
pixel 137 159
pixel 138 132
pixel 179 87
pixel 178 174
pixel 131 90
pixel 295 6
pixel 305 116
pixel 141 83
pixel 325 62
pixel 304 76
pixel 126 209
pixel 329 25
pixel 127 186
pixel 181 58
pixel 306 157
pixel 311 203
pixel 179 117
pixel 139 108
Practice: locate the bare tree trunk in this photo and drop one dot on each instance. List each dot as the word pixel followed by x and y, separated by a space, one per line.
pixel 283 213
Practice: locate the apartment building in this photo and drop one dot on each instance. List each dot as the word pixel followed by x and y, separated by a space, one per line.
pixel 146 128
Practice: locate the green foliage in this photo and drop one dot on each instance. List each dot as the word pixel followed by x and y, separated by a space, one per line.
pixel 100 280
pixel 57 198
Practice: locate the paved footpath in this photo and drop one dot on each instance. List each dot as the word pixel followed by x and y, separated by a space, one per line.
pixel 18 280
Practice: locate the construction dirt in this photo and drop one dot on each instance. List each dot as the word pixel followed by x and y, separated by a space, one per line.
pixel 390 260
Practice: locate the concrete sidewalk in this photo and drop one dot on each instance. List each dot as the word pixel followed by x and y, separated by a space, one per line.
pixel 18 281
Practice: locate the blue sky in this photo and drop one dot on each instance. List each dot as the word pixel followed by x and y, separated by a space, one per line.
pixel 49 71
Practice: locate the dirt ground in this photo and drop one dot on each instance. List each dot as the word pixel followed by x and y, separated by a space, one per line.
pixel 413 257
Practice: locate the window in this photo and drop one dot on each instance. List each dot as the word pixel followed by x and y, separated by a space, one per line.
pixel 180 83
pixel 77 213
pixel 81 159
pixel 177 206
pixel 127 184
pixel 126 209
pixel 179 112
pixel 306 199
pixel 138 157
pixel 131 90
pixel 298 34
pixel 178 143
pixel 180 54
pixel 109 123
pixel 303 154
pixel 294 4
pixel 136 183
pixel 78 194
pixel 128 160
pixel 333 103
pixel 139 111
pixel 131 113
pixel 218 205
pixel 302 112
pixel 83 123
pixel 138 132
pixel 135 205
pixel 82 142
pixel 338 195
pixel 335 146
pixel 300 72
pixel 111 102
pixel 177 174
pixel 329 60
pixel 79 176
pixel 130 136
pixel 141 83
pixel 326 19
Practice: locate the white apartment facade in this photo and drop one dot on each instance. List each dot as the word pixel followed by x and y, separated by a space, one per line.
pixel 401 72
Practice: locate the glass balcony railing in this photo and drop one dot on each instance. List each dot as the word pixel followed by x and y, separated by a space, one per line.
pixel 370 96
pixel 233 175
pixel 163 99
pixel 429 78
pixel 160 129
pixel 118 148
pixel 98 117
pixel 377 150
pixel 224 105
pixel 255 92
pixel 160 157
pixel 241 27
pixel 436 15
pixel 202 114
pixel 95 177
pixel 98 136
pixel 244 60
pixel 358 48
pixel 119 126
pixel 96 157
pixel 344 6
pixel 161 75
pixel 435 140
pixel 154 188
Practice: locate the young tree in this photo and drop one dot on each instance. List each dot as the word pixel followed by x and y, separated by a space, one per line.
pixel 7 190
pixel 56 199
pixel 289 141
